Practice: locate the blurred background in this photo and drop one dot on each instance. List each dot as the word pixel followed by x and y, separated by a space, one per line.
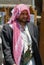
pixel 37 17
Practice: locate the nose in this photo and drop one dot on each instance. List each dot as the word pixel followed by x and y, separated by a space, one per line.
pixel 25 16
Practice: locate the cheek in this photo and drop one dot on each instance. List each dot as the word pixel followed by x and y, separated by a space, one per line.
pixel 20 17
pixel 28 17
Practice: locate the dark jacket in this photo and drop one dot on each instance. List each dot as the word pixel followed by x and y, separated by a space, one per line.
pixel 7 36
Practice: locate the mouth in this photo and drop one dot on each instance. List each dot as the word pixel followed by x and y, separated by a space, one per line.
pixel 24 19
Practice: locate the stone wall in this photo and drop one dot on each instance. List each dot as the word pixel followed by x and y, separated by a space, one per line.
pixel 15 1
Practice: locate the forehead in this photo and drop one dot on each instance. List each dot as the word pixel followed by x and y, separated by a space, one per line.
pixel 24 11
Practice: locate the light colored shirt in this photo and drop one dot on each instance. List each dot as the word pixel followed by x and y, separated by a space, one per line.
pixel 27 41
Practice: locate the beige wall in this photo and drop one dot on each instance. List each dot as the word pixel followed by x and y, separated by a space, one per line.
pixel 15 1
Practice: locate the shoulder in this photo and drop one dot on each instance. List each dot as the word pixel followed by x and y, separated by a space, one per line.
pixel 6 27
pixel 6 30
pixel 30 24
pixel 33 25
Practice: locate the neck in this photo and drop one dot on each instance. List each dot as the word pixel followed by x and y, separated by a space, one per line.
pixel 22 24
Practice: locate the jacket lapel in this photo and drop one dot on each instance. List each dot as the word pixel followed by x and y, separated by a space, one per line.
pixel 30 28
pixel 31 31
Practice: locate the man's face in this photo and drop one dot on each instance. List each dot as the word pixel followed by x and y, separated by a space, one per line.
pixel 23 16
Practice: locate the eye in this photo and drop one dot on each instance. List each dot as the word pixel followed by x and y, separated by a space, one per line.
pixel 22 13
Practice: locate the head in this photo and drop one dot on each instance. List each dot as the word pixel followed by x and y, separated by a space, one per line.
pixel 21 12
pixel 23 17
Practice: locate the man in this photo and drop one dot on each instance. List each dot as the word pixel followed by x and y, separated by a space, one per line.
pixel 19 39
